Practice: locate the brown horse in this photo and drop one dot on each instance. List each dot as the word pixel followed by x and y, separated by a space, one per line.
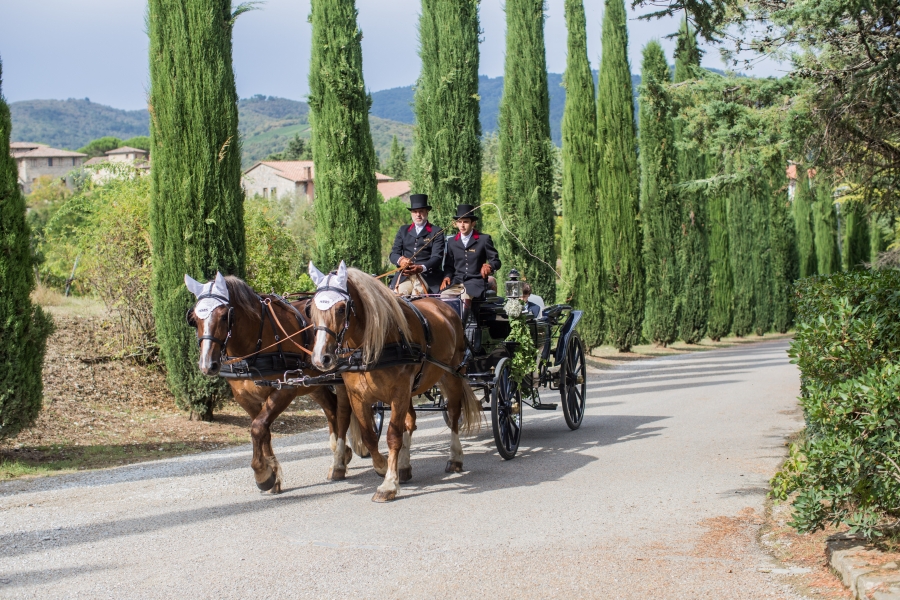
pixel 230 317
pixel 352 310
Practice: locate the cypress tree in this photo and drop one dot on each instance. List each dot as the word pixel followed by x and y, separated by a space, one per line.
pixel 346 204
pixel 877 241
pixel 784 255
pixel 196 214
pixel 740 238
pixel 618 185
pixel 397 166
pixel 24 327
pixel 693 245
pixel 525 183
pixel 659 200
pixel 856 249
pixel 447 154
pixel 582 273
pixel 825 226
pixel 721 285
pixel 803 221
pixel 761 257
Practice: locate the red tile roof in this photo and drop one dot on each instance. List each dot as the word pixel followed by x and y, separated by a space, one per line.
pixel 47 152
pixel 394 189
pixel 127 150
pixel 300 171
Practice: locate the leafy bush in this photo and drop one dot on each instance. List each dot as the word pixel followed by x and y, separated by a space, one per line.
pixel 847 345
pixel 276 259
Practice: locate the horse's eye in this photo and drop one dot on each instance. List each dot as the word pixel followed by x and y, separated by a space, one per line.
pixel 341 310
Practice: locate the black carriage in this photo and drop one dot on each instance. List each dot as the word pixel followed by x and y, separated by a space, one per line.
pixel 559 365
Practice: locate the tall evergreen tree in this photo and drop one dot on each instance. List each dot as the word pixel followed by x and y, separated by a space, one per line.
pixel 447 154
pixel 582 272
pixel 761 254
pixel 740 238
pixel 618 179
pixel 856 248
pixel 803 222
pixel 196 214
pixel 877 241
pixel 346 204
pixel 397 166
pixel 659 199
pixel 525 184
pixel 721 285
pixel 693 245
pixel 784 255
pixel 24 327
pixel 825 225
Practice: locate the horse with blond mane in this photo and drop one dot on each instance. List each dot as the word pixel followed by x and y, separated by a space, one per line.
pixel 384 347
pixel 264 334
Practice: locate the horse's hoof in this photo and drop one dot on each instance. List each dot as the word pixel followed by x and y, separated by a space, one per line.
pixel 348 455
pixel 337 474
pixel 384 496
pixel 268 484
pixel 404 474
pixel 453 466
pixel 276 489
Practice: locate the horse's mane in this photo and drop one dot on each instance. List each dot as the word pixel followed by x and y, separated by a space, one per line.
pixel 383 313
pixel 241 295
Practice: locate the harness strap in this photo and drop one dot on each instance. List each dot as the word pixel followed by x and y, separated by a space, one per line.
pixel 234 360
pixel 281 327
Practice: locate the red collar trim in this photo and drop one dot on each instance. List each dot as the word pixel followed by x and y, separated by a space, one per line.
pixel 427 227
pixel 474 235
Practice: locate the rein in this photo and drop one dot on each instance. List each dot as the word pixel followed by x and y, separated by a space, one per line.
pixel 428 241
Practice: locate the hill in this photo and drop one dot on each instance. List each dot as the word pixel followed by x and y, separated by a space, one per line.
pixel 266 124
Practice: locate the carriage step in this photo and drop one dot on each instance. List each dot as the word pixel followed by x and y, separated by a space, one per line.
pixel 545 407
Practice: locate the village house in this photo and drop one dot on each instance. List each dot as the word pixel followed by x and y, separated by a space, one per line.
pixel 279 178
pixel 38 160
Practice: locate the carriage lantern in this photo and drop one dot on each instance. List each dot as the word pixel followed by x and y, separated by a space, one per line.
pixel 514 286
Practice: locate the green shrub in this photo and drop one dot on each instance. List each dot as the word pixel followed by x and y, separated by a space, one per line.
pixel 845 469
pixel 276 259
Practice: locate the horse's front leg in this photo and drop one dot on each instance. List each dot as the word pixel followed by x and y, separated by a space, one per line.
pixel 266 468
pixel 390 487
pixel 341 452
pixel 404 466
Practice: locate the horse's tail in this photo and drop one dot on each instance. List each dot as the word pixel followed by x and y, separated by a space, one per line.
pixel 470 416
pixel 355 435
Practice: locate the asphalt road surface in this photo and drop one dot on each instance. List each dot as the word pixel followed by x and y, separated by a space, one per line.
pixel 658 495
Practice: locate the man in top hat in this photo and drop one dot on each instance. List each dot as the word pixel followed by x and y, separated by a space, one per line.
pixel 418 251
pixel 471 257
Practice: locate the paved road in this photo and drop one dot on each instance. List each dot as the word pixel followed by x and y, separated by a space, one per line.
pixel 658 495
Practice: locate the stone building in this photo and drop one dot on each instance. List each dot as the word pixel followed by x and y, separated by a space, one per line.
pixel 279 178
pixel 38 160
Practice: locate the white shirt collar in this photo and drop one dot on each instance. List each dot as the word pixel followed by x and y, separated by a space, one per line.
pixel 419 228
pixel 465 238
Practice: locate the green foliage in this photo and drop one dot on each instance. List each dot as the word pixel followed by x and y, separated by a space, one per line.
pixel 297 149
pixel 196 214
pixel 721 284
pixel 347 205
pixel 693 245
pixel 446 161
pixel 847 347
pixel 856 248
pixel 142 142
pixel 525 184
pixel 276 260
pixel 394 213
pixel 803 222
pixel 761 254
pixel 618 186
pixel 825 226
pixel 741 244
pixel 100 146
pixel 523 361
pixel 580 244
pixel 660 204
pixel 783 251
pixel 24 327
pixel 397 165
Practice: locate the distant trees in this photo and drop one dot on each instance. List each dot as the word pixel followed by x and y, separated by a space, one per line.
pixel 347 215
pixel 397 165
pixel 825 226
pixel 721 285
pixel 297 149
pixel 803 222
pixel 446 161
pixel 196 216
pixel 618 178
pixel 660 206
pixel 101 146
pixel 582 273
pixel 525 184
pixel 24 327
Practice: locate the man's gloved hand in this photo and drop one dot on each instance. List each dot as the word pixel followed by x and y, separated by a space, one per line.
pixel 403 262
pixel 413 269
pixel 445 283
pixel 486 270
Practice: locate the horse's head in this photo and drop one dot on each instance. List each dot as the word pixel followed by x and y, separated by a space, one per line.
pixel 212 316
pixel 330 312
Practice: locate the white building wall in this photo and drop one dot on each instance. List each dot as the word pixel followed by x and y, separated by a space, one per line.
pixel 263 179
pixel 32 168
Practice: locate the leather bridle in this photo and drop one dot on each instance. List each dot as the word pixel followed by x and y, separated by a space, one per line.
pixel 339 337
pixel 212 338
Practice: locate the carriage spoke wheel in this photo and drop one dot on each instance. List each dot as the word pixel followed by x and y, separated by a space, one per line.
pixel 378 415
pixel 573 382
pixel 506 411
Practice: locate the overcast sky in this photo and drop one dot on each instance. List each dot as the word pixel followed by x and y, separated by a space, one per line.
pixel 97 49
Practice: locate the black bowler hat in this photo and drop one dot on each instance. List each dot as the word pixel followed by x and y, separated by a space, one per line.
pixel 418 202
pixel 465 211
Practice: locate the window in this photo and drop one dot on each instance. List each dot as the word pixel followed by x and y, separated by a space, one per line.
pixel 265 192
pixel 49 162
pixel 73 161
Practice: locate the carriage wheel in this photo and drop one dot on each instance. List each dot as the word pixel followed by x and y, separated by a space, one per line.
pixel 506 410
pixel 573 382
pixel 378 415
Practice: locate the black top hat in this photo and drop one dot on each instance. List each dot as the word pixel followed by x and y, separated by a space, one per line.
pixel 418 201
pixel 465 211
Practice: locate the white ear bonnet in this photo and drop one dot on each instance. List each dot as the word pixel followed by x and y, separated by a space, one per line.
pixel 331 288
pixel 210 295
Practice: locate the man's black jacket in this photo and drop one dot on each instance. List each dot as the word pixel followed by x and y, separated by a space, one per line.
pixel 463 263
pixel 407 243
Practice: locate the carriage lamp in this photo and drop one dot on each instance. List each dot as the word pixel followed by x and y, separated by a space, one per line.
pixel 514 286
